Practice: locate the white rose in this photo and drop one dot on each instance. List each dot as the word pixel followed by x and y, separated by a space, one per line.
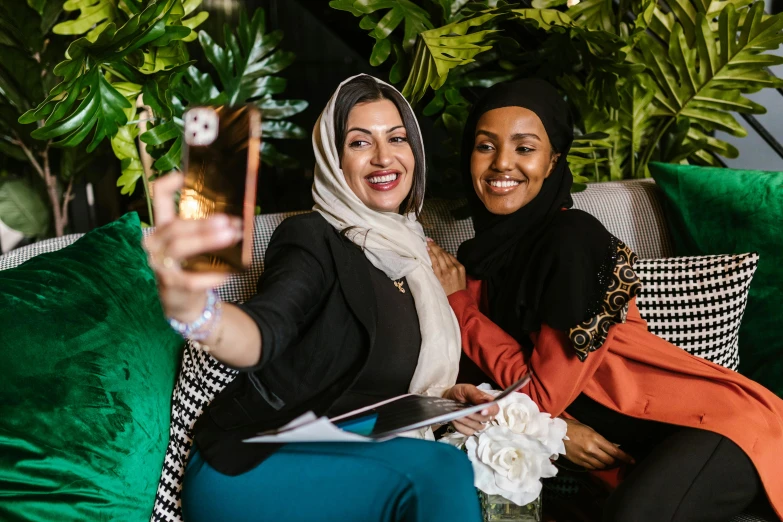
pixel 509 464
pixel 520 414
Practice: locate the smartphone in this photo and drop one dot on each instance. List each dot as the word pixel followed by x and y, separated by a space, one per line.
pixel 221 156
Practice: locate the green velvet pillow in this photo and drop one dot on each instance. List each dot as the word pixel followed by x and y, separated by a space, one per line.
pixel 88 369
pixel 723 211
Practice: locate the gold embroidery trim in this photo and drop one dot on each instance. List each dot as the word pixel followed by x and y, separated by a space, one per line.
pixel 624 285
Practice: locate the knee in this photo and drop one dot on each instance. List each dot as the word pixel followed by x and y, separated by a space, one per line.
pixel 448 461
pixel 624 506
pixel 438 463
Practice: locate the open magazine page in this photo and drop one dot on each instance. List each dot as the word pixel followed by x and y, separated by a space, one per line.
pixel 380 421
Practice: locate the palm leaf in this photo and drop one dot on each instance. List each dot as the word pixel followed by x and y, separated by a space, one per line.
pixel 414 19
pixel 706 82
pixel 594 14
pixel 588 155
pixel 441 50
pixel 636 123
pixel 685 12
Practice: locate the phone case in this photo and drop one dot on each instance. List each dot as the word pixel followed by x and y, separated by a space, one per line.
pixel 220 160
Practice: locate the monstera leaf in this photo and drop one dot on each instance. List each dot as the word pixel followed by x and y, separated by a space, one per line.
pixel 246 66
pixel 94 16
pixel 87 101
pixel 245 72
pixel 705 82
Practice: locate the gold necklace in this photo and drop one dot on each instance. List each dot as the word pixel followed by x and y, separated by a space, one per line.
pixel 399 284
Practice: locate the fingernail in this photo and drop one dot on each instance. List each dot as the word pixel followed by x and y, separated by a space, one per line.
pixel 429 240
pixel 485 412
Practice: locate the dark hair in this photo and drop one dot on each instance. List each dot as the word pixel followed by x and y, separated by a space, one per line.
pixel 363 89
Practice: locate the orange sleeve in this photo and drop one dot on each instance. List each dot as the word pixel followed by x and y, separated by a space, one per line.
pixel 557 375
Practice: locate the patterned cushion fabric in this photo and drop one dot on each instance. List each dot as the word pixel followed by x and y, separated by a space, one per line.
pixel 631 210
pixel 697 303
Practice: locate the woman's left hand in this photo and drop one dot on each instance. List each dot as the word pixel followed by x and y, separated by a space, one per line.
pixel 449 271
pixel 469 394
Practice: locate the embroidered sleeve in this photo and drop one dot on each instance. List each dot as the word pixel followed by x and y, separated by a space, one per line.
pixel 622 284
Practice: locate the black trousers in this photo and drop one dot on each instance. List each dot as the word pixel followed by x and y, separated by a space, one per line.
pixel 692 475
pixel 682 475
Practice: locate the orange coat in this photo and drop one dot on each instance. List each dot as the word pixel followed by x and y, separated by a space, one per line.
pixel 635 373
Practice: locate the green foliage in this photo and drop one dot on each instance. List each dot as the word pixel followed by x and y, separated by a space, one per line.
pixel 646 79
pixel 22 208
pixel 245 72
pixel 442 49
pixel 126 76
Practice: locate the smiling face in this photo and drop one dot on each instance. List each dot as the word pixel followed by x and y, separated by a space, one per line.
pixel 377 160
pixel 511 159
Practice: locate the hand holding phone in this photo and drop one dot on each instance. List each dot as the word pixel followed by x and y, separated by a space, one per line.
pixel 182 292
pixel 212 235
pixel 220 160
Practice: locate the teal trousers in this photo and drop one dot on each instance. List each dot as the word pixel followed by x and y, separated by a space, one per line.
pixel 399 480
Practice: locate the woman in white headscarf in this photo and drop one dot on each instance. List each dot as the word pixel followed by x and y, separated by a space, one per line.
pixel 348 313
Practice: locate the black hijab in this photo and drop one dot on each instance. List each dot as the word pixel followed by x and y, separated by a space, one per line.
pixel 541 264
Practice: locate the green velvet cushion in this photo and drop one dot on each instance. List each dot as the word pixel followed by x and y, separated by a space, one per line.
pixel 88 367
pixel 723 211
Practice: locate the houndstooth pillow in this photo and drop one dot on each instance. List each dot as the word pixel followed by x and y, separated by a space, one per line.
pixel 697 303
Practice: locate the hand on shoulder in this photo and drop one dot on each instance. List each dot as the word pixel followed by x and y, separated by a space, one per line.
pixel 449 271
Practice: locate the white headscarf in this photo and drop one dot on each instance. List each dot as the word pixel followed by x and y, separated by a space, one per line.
pixel 396 245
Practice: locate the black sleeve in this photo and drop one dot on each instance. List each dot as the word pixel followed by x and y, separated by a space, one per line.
pixel 299 272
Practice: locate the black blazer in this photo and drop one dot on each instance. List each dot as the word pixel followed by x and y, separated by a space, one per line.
pixel 317 314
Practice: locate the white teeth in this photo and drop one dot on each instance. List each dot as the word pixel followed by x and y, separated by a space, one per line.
pixel 383 179
pixel 504 184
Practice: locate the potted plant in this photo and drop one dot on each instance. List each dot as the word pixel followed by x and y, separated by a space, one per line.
pixel 126 79
pixel 646 79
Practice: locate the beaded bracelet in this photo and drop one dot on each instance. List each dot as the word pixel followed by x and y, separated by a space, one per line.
pixel 197 338
pixel 189 330
pixel 206 331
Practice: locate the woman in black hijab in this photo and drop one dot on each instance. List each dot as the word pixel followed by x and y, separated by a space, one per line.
pixel 552 293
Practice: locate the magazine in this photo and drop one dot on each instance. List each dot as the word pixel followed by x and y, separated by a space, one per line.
pixel 379 422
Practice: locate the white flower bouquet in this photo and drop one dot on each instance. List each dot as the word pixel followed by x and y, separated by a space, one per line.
pixel 513 454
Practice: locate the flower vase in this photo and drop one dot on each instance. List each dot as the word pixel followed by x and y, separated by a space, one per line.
pixel 499 509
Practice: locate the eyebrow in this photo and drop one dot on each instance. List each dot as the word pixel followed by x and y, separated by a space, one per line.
pixel 365 131
pixel 517 136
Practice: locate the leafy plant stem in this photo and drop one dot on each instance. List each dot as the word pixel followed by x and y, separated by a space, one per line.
pixel 30 156
pixel 66 200
pixel 644 159
pixel 60 217
pixel 146 159
pixel 59 209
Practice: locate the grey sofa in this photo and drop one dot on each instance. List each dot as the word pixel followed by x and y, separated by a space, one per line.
pixel 631 210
